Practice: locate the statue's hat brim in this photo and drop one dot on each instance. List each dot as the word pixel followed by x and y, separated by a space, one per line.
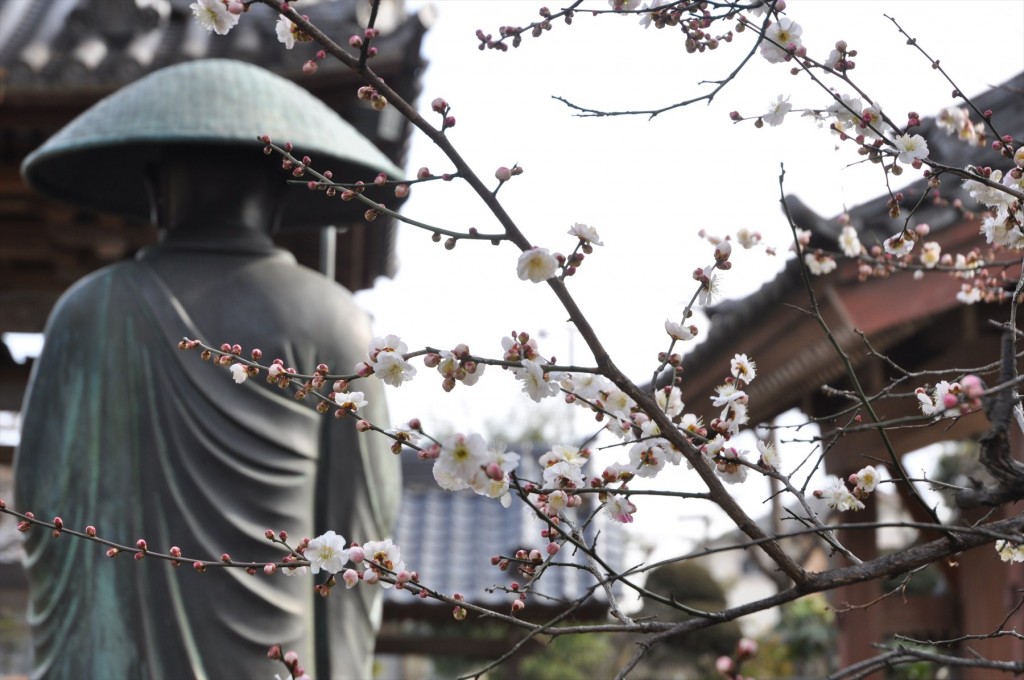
pixel 99 159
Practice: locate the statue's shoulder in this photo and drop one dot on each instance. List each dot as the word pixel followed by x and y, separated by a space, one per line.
pixel 96 288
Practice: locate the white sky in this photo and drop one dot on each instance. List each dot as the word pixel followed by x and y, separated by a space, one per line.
pixel 647 185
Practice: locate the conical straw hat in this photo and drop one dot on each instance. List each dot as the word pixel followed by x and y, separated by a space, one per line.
pixel 98 160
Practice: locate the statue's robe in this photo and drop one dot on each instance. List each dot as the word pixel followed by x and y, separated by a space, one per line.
pixel 124 431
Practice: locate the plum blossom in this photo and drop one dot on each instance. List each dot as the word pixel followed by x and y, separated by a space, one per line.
pixel 944 401
pixel 624 5
pixel 777 111
pixel 910 148
pixel 460 461
pixel 871 124
pixel 786 33
pixel 728 393
pixel 586 234
pixel 386 359
pixel 730 466
pixel 618 403
pixel 382 554
pixel 867 479
pixel 586 385
pixel 647 458
pixel 560 453
pixel 564 475
pixel 769 455
pixel 213 15
pixel 537 265
pixel 849 243
pixel 350 401
pixel 1010 552
pixel 844 110
pixel 239 373
pixel 536 382
pixel 620 508
pixel 931 252
pixel 819 264
pixel 326 552
pixel 678 331
pixel 983 193
pixel 286 31
pixel 1002 230
pixel 898 244
pixel 670 402
pixel 493 483
pixel 743 368
pixel 838 496
pixel 709 287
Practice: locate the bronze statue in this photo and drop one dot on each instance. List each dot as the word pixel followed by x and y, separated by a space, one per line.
pixel 124 431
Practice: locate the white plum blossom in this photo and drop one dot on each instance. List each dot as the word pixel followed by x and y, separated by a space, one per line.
pixel 393 369
pixel 709 290
pixel 846 112
pixel 1010 552
pixel 931 252
pixel 239 373
pixel 728 393
pixel 743 368
pixel 910 148
pixel 819 264
pixel 382 554
pixel 326 552
pixel 493 483
pixel 537 265
pixel 564 475
pixel 944 400
pixel 785 32
pixel 729 466
pixel 536 382
pixel 849 243
pixel 678 331
pixel 867 479
pixel 586 385
pixel 620 508
pixel 561 453
pixel 777 111
pixel 624 5
pixel 747 238
pixel 871 124
pixel 213 15
pixel 1001 230
pixel 585 233
pixel 618 403
pixel 838 496
pixel 769 455
pixel 285 30
pixel 350 401
pixel 647 458
pixel 983 193
pixel 460 461
pixel 898 244
pixel 670 402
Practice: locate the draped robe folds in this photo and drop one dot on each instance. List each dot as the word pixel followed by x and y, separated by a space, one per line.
pixel 124 431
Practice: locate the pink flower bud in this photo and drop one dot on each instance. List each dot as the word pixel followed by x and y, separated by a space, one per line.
pixel 535 556
pixel 112 552
pixel 355 41
pixel 518 606
pixel 503 174
pixel 274 652
pixel 552 548
pixel 199 566
pixel 401 190
pixel 225 558
pixel 141 544
pixel 139 556
pixel 269 569
pixel 459 613
pixel 950 401
pixel 310 67
pixel 724 664
pixel 363 426
pixel 370 577
pixel 291 658
pixel 356 554
pixel 439 105
pixel 175 551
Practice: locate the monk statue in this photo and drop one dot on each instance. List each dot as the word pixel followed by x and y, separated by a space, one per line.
pixel 125 432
